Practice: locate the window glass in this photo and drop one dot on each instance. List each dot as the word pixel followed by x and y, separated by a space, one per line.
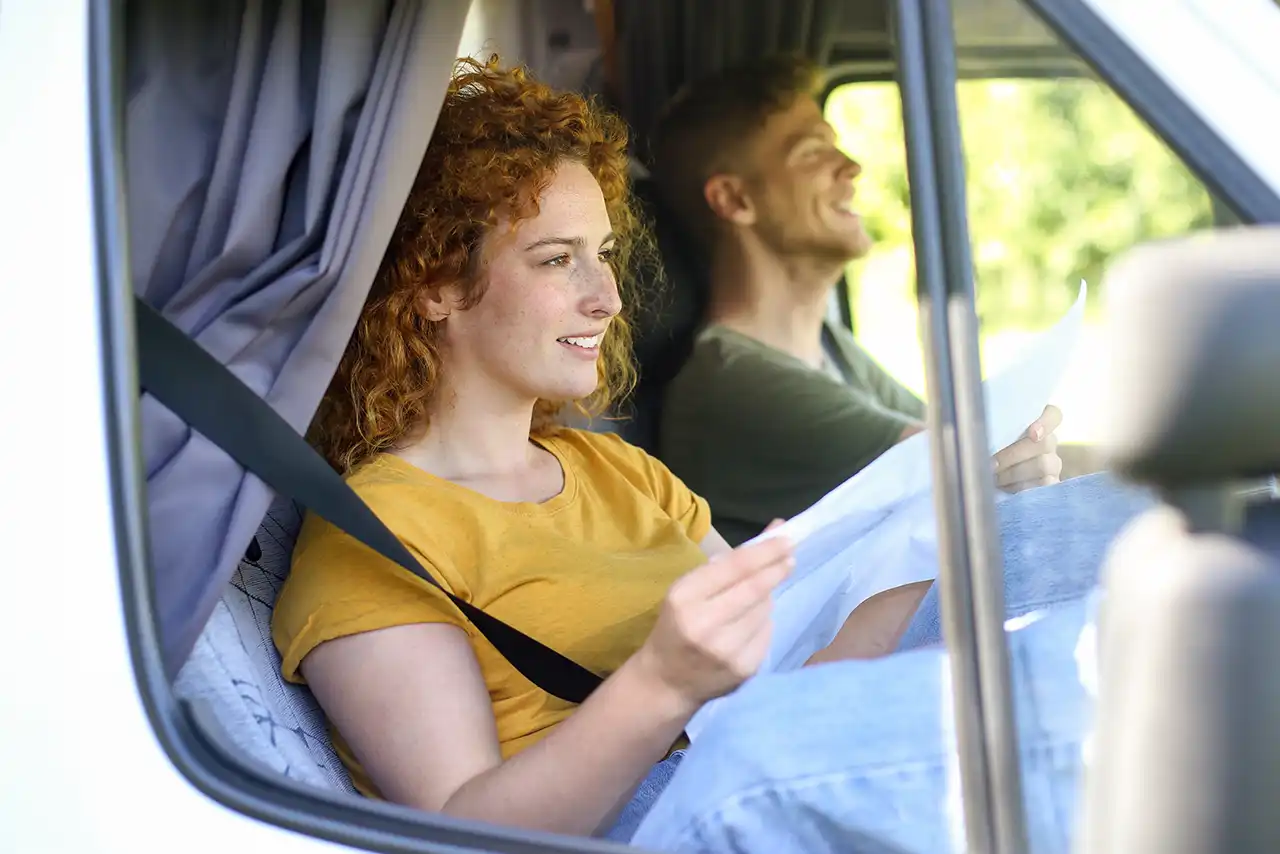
pixel 1062 176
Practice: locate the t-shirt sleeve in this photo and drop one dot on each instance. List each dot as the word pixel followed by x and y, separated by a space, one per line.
pixel 892 394
pixel 649 473
pixel 895 395
pixel 337 587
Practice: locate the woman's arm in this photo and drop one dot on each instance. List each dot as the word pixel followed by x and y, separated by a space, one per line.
pixel 412 704
pixel 713 544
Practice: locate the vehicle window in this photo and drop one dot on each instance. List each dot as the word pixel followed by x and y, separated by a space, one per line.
pixel 1062 177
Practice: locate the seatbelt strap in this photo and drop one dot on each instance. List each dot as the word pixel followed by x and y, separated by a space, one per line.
pixel 201 391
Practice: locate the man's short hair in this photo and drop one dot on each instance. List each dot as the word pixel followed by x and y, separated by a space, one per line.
pixel 704 130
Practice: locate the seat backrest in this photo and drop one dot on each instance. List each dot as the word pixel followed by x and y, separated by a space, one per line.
pixel 667 320
pixel 1186 750
pixel 235 670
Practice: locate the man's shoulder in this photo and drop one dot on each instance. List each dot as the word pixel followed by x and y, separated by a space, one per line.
pixel 724 357
pixel 733 382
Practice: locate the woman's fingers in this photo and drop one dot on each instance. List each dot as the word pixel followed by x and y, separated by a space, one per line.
pixel 756 588
pixel 724 571
pixel 714 626
pixel 742 643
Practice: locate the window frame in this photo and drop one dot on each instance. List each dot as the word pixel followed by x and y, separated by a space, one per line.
pixel 196 748
pixel 972 599
pixel 1246 197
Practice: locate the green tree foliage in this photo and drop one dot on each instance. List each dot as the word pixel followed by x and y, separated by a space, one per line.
pixel 1062 176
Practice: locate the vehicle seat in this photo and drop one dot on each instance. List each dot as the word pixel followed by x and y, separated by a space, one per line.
pixel 666 321
pixel 235 669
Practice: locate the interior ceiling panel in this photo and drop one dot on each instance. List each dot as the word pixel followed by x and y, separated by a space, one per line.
pixel 665 42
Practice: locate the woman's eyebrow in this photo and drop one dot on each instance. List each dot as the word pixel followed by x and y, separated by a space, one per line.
pixel 576 242
pixel 556 241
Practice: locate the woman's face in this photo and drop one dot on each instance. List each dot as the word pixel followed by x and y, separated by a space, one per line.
pixel 549 296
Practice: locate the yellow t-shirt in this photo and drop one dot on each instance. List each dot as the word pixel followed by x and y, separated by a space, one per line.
pixel 583 572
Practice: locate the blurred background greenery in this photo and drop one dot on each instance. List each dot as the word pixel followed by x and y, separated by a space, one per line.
pixel 1062 177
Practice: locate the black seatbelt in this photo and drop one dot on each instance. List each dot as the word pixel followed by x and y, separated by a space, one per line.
pixel 201 391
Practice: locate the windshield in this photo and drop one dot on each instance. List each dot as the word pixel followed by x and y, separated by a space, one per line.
pixel 1205 48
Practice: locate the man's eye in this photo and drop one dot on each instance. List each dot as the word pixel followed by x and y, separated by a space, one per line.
pixel 809 152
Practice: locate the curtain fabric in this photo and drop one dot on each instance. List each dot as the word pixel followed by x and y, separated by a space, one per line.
pixel 666 43
pixel 269 148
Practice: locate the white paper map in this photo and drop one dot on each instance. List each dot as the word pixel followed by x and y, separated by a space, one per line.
pixel 876 531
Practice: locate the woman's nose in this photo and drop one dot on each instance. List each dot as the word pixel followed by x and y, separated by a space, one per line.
pixel 604 299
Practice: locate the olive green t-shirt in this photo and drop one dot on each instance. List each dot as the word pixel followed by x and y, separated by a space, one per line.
pixel 761 435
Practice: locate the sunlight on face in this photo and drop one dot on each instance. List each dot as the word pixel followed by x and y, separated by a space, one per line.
pixel 549 297
pixel 805 186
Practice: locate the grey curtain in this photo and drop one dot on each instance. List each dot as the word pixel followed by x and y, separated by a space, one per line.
pixel 270 145
pixel 665 43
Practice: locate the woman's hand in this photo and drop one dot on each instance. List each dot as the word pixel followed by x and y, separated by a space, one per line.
pixel 715 623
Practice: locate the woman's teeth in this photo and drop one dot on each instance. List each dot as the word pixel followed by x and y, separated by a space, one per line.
pixel 589 343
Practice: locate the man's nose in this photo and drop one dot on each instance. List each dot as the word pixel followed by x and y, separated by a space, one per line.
pixel 849 167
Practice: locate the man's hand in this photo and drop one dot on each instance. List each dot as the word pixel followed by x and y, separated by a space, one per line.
pixel 1032 460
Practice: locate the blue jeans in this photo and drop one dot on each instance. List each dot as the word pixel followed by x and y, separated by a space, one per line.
pixel 858 756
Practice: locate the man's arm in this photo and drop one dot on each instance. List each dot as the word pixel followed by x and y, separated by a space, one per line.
pixel 892 394
pixel 909 431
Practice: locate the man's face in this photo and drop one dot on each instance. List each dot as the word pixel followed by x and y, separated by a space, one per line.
pixel 802 187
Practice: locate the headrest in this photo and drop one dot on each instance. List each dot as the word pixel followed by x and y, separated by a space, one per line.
pixel 1193 331
pixel 668 315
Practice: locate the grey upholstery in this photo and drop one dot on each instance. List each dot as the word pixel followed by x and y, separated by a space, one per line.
pixel 235 670
pixel 1192 334
pixel 1186 750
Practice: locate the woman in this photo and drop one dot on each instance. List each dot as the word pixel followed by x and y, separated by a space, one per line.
pixel 500 300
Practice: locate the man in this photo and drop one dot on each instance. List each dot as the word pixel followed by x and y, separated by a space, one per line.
pixel 775 407
pixel 772 410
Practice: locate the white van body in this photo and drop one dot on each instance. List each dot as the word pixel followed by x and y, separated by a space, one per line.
pixel 83 768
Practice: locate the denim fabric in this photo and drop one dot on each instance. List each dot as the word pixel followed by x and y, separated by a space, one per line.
pixel 647 792
pixel 858 756
pixel 1053 539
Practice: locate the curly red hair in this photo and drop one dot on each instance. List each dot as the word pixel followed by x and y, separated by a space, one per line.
pixel 497 142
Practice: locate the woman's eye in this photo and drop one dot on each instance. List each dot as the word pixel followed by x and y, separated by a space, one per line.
pixel 608 255
pixel 558 261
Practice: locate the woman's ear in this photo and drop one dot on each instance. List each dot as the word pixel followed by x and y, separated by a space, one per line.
pixel 728 199
pixel 439 302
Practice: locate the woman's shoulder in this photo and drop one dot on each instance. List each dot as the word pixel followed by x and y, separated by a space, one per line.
pixel 398 495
